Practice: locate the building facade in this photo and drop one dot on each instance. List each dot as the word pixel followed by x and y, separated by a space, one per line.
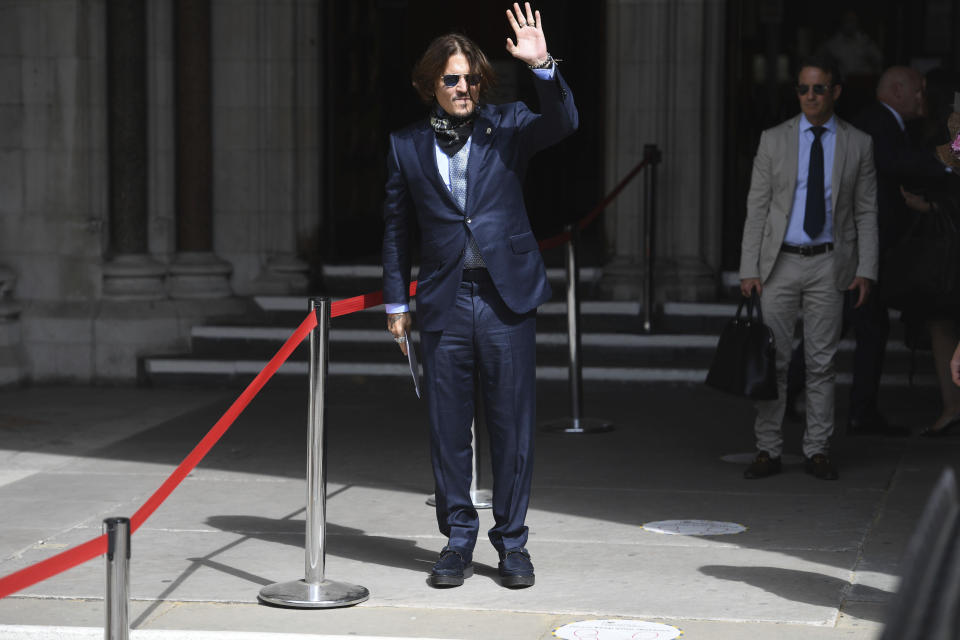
pixel 163 161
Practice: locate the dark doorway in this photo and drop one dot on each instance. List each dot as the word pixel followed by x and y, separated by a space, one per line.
pixel 766 38
pixel 371 47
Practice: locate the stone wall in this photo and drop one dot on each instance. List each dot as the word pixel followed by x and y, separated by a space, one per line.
pixel 55 218
pixel 52 147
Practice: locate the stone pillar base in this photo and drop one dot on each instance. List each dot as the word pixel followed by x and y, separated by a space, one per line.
pixel 687 280
pixel 622 279
pixel 199 274
pixel 133 276
pixel 283 275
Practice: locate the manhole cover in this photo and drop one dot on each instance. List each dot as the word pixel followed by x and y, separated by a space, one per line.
pixel 694 527
pixel 616 630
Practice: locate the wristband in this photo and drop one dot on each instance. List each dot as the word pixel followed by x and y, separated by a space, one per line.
pixel 546 64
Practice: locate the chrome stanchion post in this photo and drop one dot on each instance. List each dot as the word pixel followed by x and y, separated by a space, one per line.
pixel 315 591
pixel 116 624
pixel 652 154
pixel 576 423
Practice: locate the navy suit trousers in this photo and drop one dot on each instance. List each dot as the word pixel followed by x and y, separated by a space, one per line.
pixel 485 336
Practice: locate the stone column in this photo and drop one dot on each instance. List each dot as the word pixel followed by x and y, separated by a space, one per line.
pixel 288 142
pixel 664 86
pixel 161 188
pixel 195 271
pixel 130 274
pixel 266 127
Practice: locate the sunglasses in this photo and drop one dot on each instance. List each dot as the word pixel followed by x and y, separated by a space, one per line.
pixel 451 80
pixel 819 89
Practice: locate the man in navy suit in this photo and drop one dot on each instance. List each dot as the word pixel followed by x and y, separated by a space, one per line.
pixel 900 99
pixel 459 176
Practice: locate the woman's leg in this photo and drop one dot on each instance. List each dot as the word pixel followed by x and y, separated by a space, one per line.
pixel 943 338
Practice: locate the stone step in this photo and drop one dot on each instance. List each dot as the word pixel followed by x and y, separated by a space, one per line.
pixel 613 345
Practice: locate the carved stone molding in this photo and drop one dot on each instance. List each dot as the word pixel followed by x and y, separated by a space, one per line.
pixel 199 274
pixel 134 276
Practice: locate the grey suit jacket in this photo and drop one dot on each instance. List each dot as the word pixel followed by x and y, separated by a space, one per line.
pixel 854 200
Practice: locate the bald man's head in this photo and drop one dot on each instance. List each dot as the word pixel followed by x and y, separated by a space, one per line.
pixel 903 89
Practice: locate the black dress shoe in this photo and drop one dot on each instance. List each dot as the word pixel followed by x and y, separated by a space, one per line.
pixel 876 427
pixel 819 466
pixel 450 569
pixel 516 569
pixel 763 465
pixel 945 430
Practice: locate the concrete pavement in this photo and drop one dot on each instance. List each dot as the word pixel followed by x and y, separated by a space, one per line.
pixel 817 560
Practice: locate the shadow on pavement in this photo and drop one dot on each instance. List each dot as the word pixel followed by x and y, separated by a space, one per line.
pixel 797 586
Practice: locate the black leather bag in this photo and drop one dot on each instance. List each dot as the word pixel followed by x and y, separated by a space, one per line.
pixel 745 361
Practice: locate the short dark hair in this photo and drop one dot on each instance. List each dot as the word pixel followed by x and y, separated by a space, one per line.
pixel 825 63
pixel 433 61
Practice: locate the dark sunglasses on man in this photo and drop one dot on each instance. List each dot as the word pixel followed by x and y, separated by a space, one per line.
pixel 819 89
pixel 451 80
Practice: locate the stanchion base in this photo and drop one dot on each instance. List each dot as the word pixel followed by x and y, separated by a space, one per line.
pixel 577 425
pixel 482 499
pixel 301 594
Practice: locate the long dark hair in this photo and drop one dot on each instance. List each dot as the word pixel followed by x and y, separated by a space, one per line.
pixel 434 60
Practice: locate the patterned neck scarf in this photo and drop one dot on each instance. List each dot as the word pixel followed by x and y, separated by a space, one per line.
pixel 452 131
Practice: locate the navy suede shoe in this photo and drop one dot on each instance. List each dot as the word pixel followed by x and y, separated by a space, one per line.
pixel 516 570
pixel 450 569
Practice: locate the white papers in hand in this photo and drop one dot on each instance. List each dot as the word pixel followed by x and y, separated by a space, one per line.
pixel 414 365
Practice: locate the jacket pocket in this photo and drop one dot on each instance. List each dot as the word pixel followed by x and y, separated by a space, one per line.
pixel 523 243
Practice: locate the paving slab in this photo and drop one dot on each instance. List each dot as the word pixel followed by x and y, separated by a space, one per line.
pixel 817 559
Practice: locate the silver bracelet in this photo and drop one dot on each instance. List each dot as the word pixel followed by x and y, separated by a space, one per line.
pixel 546 64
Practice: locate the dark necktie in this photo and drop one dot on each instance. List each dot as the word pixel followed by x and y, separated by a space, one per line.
pixel 815 215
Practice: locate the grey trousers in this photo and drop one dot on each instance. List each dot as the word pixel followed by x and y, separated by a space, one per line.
pixel 802 285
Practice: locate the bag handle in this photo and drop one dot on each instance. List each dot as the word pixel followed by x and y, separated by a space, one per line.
pixel 754 303
pixel 743 300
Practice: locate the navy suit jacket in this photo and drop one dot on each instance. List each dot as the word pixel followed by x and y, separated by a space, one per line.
pixel 504 139
pixel 898 163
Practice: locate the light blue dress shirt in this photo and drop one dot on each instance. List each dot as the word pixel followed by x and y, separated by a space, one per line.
pixel 443 167
pixel 795 233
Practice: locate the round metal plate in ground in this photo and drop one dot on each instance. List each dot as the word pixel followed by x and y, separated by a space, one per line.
pixel 694 527
pixel 482 499
pixel 616 630
pixel 300 594
pixel 747 458
pixel 577 425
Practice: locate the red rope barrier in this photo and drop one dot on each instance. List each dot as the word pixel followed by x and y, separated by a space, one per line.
pixel 224 423
pixel 52 566
pixel 359 303
pixel 98 546
pixel 585 221
pixel 75 556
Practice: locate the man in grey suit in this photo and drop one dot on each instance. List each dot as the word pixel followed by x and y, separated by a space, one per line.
pixel 810 233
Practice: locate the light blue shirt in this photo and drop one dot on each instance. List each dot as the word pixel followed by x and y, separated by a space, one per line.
pixel 443 168
pixel 795 233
